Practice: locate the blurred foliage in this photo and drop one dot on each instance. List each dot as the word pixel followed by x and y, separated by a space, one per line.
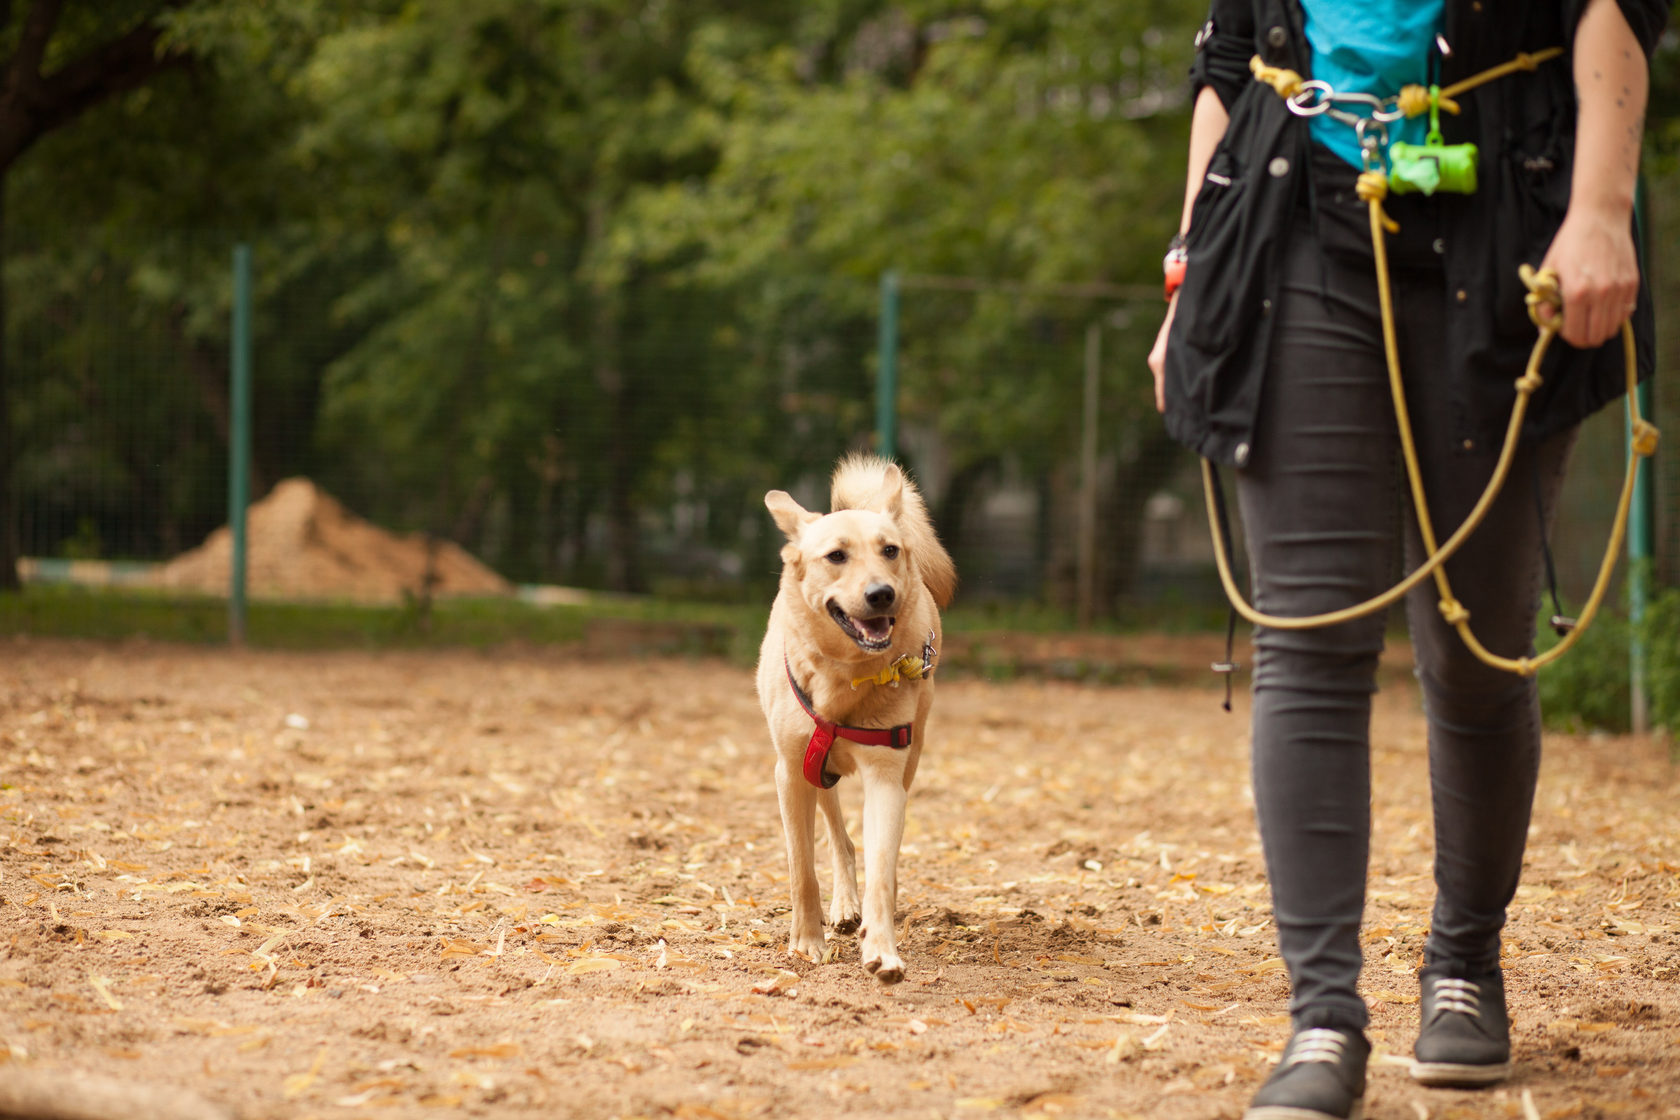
pixel 1590 688
pixel 573 282
pixel 533 273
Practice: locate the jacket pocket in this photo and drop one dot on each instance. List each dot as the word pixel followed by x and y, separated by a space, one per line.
pixel 1214 244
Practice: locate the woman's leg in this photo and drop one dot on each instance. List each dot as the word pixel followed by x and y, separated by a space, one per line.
pixel 1484 723
pixel 1318 501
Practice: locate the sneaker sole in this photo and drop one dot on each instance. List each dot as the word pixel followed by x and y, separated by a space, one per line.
pixel 1284 1112
pixel 1449 1075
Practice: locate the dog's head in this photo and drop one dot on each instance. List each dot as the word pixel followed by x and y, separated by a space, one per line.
pixel 851 565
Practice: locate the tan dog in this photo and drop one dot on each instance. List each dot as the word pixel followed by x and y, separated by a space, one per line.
pixel 843 680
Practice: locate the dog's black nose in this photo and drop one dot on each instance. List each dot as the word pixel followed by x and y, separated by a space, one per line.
pixel 879 596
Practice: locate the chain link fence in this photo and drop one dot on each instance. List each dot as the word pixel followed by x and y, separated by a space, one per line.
pixel 465 416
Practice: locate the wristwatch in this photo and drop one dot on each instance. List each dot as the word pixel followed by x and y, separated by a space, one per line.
pixel 1172 265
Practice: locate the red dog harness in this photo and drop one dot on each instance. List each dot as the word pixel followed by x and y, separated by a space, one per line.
pixel 816 753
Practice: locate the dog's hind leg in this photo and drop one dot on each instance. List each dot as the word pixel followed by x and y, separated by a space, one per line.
pixel 799 804
pixel 883 830
pixel 844 913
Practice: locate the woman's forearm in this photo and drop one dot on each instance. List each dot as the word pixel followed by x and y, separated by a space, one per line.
pixel 1611 85
pixel 1593 252
pixel 1207 128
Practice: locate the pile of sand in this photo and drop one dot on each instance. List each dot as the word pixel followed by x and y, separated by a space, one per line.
pixel 302 544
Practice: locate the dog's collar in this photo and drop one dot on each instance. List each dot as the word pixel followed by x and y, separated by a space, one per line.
pixel 816 752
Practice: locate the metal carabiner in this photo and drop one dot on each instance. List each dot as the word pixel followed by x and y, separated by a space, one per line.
pixel 1373 138
pixel 1383 109
pixel 1314 88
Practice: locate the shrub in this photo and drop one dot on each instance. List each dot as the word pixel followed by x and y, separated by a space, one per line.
pixel 1661 631
pixel 1587 687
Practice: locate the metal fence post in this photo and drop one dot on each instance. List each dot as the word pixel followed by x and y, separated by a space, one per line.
pixel 1086 593
pixel 886 376
pixel 239 439
pixel 1642 521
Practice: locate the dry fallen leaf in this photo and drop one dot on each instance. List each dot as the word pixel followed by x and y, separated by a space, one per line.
pixel 840 1062
pixel 298 1083
pixel 500 1050
pixel 777 984
pixel 101 987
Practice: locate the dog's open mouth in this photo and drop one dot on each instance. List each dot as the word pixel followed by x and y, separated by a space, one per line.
pixel 872 634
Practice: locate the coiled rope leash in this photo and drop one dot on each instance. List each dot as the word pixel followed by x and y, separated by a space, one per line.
pixel 1373 187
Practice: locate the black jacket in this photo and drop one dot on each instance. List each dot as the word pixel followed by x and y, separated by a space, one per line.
pixel 1257 189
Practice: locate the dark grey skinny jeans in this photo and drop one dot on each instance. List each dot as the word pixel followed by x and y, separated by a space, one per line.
pixel 1324 505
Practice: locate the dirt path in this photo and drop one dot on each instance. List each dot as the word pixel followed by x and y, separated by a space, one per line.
pixel 418 884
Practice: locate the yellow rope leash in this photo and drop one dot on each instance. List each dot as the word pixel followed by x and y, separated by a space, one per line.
pixel 1414 100
pixel 1543 291
pixel 1286 82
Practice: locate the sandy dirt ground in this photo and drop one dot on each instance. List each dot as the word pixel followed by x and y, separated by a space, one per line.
pixel 522 884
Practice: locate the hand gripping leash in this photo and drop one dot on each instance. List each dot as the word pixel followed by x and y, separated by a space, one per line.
pixel 1543 291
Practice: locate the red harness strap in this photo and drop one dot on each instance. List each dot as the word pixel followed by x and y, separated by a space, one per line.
pixel 816 752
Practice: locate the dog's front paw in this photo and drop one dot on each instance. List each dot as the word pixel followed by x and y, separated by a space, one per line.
pixel 810 948
pixel 846 923
pixel 887 968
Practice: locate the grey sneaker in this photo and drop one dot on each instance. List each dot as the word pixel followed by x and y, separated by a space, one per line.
pixel 1321 1077
pixel 1465 1038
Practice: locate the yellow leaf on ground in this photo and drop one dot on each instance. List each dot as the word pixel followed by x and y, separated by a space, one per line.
pixel 840 1062
pixel 500 1050
pixel 298 1083
pixel 101 987
pixel 1386 996
pixel 593 964
pixel 460 948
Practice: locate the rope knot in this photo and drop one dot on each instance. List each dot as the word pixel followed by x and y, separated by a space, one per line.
pixel 1287 82
pixel 1543 291
pixel 1528 383
pixel 1454 612
pixel 1414 100
pixel 1645 436
pixel 1372 186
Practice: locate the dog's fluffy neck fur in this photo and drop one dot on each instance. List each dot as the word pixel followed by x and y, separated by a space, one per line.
pixel 868 705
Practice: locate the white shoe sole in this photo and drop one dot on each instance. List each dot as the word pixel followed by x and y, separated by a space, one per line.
pixel 1459 1075
pixel 1285 1112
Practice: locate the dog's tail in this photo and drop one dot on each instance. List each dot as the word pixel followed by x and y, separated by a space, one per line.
pixel 860 482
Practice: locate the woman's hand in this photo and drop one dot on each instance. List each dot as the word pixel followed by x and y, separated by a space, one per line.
pixel 1158 356
pixel 1598 274
pixel 1592 252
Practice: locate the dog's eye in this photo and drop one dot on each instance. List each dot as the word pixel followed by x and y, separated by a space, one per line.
pixel 890 552
pixel 838 556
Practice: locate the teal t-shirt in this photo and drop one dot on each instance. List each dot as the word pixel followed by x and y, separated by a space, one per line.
pixel 1371 46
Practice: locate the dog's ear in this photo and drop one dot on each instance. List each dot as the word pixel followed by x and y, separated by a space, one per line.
pixel 891 498
pixel 790 516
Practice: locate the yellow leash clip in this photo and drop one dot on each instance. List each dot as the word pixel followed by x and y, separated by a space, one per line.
pixel 906 668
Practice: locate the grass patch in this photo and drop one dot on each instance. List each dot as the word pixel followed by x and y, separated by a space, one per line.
pixel 113 615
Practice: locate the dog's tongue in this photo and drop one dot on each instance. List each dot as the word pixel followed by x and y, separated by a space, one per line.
pixel 875 628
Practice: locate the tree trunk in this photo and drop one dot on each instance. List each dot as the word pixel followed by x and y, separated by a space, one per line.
pixel 1134 482
pixel 624 562
pixel 624 550
pixel 954 505
pixel 8 505
pixel 209 370
pixel 33 104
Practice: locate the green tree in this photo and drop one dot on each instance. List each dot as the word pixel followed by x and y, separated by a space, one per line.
pixel 494 148
pixel 1034 143
pixel 118 271
pixel 58 65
